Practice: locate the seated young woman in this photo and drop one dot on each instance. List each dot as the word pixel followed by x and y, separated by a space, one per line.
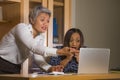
pixel 74 39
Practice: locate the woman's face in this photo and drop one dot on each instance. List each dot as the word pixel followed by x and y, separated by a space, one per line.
pixel 41 23
pixel 75 41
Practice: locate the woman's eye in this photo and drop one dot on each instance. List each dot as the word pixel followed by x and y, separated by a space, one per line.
pixel 78 40
pixel 71 40
pixel 41 19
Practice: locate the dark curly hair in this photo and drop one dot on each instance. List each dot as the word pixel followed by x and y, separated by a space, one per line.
pixel 69 34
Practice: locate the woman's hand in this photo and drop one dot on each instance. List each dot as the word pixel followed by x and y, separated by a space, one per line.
pixel 58 68
pixel 67 51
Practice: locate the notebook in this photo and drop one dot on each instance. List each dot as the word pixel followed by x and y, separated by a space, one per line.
pixel 93 60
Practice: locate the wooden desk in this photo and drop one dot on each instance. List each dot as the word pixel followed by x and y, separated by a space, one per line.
pixel 112 76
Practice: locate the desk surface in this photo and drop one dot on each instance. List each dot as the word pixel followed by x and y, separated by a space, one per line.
pixel 111 76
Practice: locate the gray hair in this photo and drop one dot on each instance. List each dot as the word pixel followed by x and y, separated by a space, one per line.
pixel 36 11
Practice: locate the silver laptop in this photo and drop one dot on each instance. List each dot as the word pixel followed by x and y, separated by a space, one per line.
pixel 93 60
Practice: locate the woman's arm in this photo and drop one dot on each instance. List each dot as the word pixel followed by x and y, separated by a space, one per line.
pixel 41 62
pixel 25 38
pixel 65 61
pixel 77 57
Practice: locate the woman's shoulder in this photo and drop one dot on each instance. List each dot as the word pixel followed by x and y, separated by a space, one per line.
pixel 21 28
pixel 23 25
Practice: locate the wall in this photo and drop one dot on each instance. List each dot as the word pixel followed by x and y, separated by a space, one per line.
pixel 100 22
pixel 73 11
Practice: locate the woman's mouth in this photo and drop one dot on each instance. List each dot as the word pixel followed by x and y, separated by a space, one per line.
pixel 74 47
pixel 44 28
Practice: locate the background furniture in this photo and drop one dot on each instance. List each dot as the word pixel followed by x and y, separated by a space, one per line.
pixel 16 11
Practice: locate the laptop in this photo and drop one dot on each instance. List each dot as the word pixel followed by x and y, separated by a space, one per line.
pixel 93 60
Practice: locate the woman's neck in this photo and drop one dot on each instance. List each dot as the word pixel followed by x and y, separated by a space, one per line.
pixel 35 32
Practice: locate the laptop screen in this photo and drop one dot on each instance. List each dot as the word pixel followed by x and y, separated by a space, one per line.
pixel 93 60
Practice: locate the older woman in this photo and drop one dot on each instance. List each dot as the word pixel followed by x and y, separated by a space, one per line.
pixel 25 39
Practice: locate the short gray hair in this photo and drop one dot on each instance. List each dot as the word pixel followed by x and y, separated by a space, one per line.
pixel 36 11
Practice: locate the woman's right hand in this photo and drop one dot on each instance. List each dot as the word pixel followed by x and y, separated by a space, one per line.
pixel 58 68
pixel 67 51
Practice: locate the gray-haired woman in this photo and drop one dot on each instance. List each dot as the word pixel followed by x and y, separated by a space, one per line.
pixel 25 39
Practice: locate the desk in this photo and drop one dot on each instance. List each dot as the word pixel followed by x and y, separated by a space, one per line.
pixel 111 76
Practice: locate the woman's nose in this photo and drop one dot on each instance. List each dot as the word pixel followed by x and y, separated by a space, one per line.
pixel 74 43
pixel 45 24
